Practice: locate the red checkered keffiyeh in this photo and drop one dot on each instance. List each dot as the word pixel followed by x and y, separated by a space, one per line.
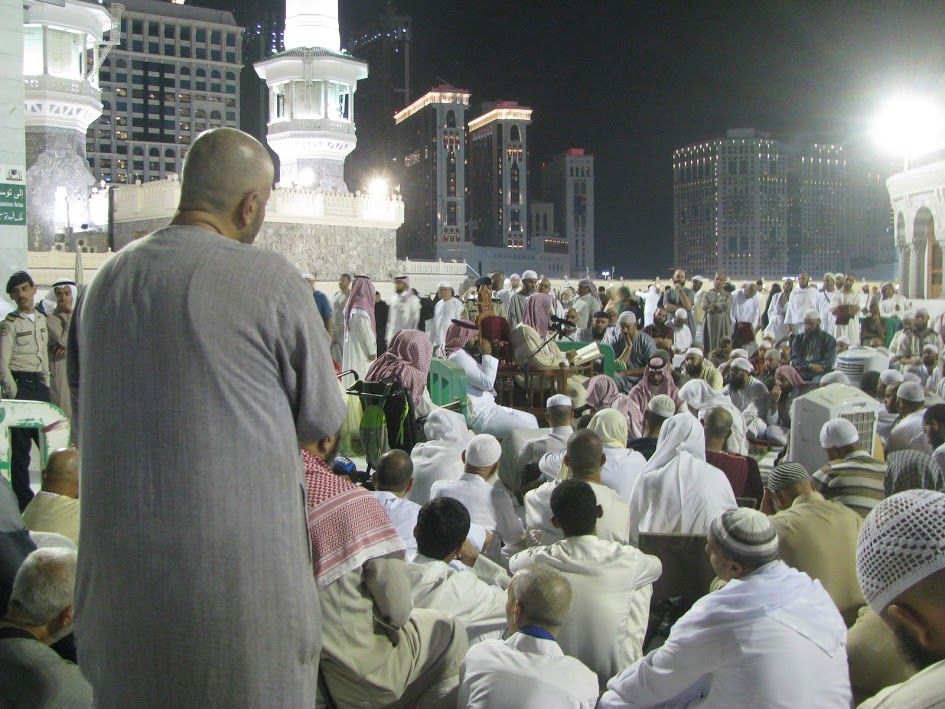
pixel 458 335
pixel 346 525
pixel 407 360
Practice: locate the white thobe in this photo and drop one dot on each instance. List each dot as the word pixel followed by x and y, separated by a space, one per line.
pixel 432 461
pixel 404 313
pixel 619 472
pixel 585 306
pixel 360 348
pixel 476 595
pixel 651 300
pixel 682 497
pixel 338 303
pixel 403 515
pixel 893 307
pixel 908 434
pixel 745 309
pixel 682 338
pixel 444 312
pixel 489 506
pixel 921 691
pixel 826 303
pixel 852 329
pixel 484 415
pixel 526 672
pixel 771 639
pixel 801 301
pixel 776 315
pixel 611 586
pixel 612 526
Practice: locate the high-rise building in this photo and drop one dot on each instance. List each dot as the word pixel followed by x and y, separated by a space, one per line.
pixel 868 228
pixel 430 166
pixel 497 211
pixel 174 75
pixel 567 180
pixel 730 205
pixel 816 178
pixel 263 37
pixel 384 43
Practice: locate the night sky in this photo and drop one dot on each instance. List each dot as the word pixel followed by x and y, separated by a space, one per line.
pixel 630 81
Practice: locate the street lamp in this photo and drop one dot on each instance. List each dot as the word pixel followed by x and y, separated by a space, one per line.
pixel 909 126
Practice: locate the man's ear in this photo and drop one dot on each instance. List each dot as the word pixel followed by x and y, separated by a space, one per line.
pixel 600 512
pixel 246 208
pixel 914 622
pixel 409 485
pixel 555 523
pixel 463 456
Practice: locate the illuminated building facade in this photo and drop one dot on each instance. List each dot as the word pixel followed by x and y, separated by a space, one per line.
pixel 567 180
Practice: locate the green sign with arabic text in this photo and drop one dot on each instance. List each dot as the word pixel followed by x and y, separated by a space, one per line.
pixel 12 203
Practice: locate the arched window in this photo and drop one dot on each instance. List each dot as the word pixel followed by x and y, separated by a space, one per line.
pixel 200 113
pixel 514 135
pixel 215 116
pixel 154 153
pixel 200 73
pixel 230 76
pixel 138 150
pixel 169 153
pixel 451 118
pixel 184 71
pixel 121 64
pixel 214 74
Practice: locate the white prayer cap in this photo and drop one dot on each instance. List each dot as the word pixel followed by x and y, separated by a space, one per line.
pixel 902 542
pixel 701 279
pixel 909 315
pixel 444 284
pixel 829 275
pixel 844 339
pixel 811 315
pixel 738 353
pixel 746 535
pixel 890 376
pixel 559 400
pixel 694 351
pixel 768 337
pixel 681 315
pixel 529 275
pixel 911 377
pixel 483 451
pixel 515 275
pixel 922 311
pixel 911 391
pixel 741 363
pixel 307 276
pixel 627 318
pixel 930 348
pixel 838 433
pixel 662 405
pixel 834 378
pixel 785 475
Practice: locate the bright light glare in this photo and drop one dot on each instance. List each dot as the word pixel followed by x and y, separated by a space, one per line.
pixel 378 187
pixel 909 125
pixel 306 177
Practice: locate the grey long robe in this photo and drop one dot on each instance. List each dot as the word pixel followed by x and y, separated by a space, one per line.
pixel 200 364
pixel 718 318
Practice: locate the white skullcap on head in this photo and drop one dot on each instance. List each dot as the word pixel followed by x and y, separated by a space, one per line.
pixel 741 363
pixel 911 391
pixel 558 400
pixel 662 405
pixel 811 315
pixel 838 433
pixel 444 284
pixel 515 275
pixel 911 377
pixel 922 311
pixel 746 535
pixel 830 275
pixel 627 318
pixel 834 378
pixel 785 475
pixel 307 276
pixel 701 279
pixel 901 543
pixel 483 451
pixel 681 315
pixel 530 275
pixel 908 315
pixel 844 339
pixel 930 348
pixel 890 376
pixel 738 353
pixel 694 351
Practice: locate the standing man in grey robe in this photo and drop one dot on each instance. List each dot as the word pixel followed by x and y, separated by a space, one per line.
pixel 200 366
pixel 718 314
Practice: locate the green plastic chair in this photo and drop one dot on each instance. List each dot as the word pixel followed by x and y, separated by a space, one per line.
pixel 447 384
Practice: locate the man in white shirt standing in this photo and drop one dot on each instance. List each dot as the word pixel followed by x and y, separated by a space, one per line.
pixel 747 644
pixel 404 308
pixel 447 309
pixel 474 595
pixel 487 500
pixel 338 303
pixel 529 669
pixel 611 584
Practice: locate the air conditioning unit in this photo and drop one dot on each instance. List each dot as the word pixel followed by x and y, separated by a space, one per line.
pixel 856 361
pixel 810 412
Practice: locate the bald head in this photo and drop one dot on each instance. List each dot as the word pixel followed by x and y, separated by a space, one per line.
pixel 585 453
pixel 61 474
pixel 717 424
pixel 540 596
pixel 225 183
pixel 394 471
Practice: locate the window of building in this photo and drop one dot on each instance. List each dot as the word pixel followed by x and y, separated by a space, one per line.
pixel 168 31
pixel 183 52
pixel 451 118
pixel 185 34
pixel 137 27
pixel 121 135
pixel 137 45
pixel 201 35
pixel 231 57
pixel 230 39
pixel 121 120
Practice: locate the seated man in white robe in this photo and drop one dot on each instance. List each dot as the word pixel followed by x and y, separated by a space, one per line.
pixel 771 637
pixel 583 459
pixel 440 457
pixel 908 433
pixel 611 584
pixel 528 669
pixel 393 481
pixel 559 411
pixel 486 498
pixel 750 396
pixel 678 492
pixel 463 346
pixel 900 562
pixel 474 594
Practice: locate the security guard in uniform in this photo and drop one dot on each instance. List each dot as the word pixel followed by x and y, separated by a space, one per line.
pixel 24 372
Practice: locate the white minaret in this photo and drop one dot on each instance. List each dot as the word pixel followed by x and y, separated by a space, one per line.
pixel 311 97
